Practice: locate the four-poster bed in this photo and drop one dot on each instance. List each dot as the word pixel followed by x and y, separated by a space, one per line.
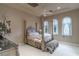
pixel 48 42
pixel 43 41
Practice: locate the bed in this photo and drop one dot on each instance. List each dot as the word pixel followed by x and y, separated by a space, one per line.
pixel 33 37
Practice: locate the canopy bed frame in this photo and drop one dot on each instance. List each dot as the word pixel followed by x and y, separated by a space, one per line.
pixel 33 38
pixel 48 42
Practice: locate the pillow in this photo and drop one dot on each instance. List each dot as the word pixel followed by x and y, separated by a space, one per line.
pixel 30 30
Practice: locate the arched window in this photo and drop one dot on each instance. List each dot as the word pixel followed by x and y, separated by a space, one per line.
pixel 55 26
pixel 66 26
pixel 46 26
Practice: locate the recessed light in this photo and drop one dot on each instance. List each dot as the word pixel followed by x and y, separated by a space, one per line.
pixel 58 8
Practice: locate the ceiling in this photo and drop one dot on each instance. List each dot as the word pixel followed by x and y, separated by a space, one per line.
pixel 39 10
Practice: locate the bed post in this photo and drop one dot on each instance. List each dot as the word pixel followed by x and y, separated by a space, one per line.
pixel 25 34
pixel 42 26
pixel 52 31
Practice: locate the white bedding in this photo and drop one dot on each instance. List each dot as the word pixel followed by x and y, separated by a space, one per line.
pixel 47 37
pixel 35 35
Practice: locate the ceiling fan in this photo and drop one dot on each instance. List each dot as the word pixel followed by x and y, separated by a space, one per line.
pixel 47 13
pixel 51 12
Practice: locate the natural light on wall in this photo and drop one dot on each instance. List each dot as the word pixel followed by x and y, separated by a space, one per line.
pixel 55 26
pixel 66 26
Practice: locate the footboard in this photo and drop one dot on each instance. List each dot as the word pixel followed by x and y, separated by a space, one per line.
pixel 34 41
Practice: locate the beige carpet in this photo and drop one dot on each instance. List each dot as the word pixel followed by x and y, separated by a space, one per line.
pixel 62 50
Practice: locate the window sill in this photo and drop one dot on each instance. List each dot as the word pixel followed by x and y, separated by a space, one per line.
pixel 67 35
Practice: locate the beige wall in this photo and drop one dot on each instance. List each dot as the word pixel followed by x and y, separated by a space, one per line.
pixel 75 26
pixel 17 22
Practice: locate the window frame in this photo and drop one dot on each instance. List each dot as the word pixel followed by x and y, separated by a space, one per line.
pixel 55 33
pixel 70 25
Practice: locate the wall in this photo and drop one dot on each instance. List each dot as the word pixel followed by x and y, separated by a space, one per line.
pixel 74 14
pixel 17 18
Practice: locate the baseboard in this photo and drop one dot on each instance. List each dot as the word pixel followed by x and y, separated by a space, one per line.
pixel 68 43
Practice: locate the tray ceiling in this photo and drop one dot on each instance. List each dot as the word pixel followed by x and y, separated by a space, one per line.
pixel 39 9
